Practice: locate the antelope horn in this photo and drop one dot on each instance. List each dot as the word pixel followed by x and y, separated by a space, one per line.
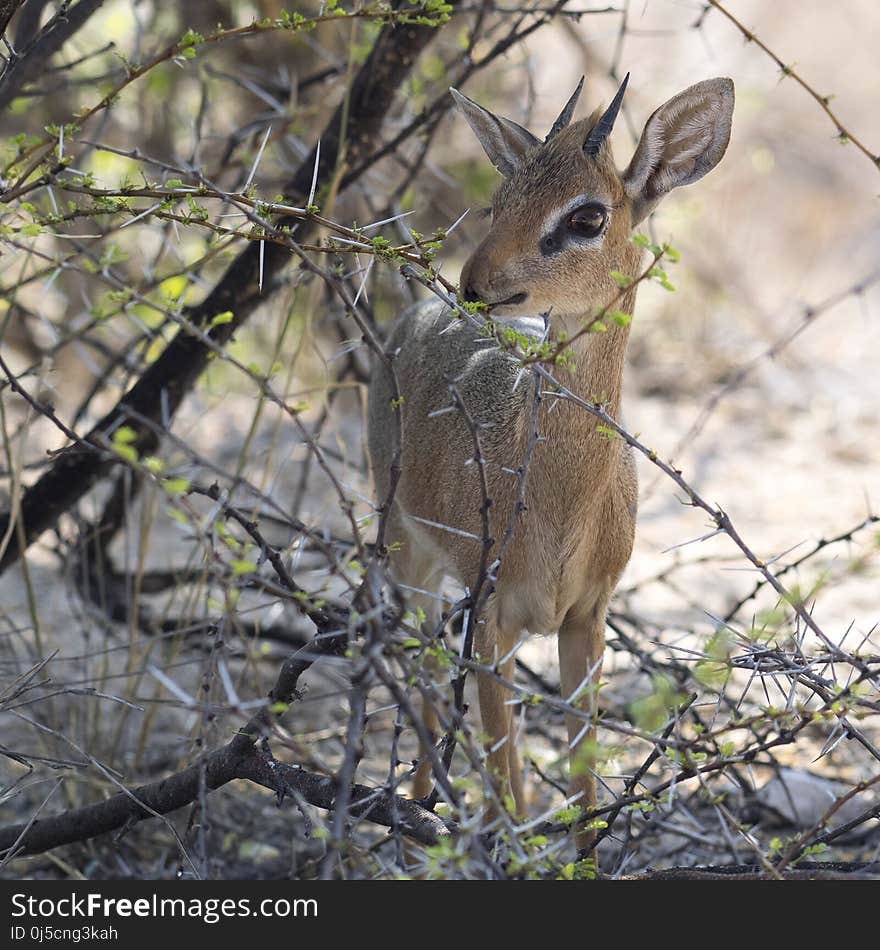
pixel 566 114
pixel 602 129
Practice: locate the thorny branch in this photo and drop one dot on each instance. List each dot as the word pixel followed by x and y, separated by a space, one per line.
pixel 788 71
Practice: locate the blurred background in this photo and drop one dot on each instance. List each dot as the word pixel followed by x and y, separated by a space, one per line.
pixel 757 378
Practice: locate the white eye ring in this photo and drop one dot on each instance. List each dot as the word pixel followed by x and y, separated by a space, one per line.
pixel 563 232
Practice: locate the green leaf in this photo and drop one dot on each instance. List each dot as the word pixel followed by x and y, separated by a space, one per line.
pixel 191 38
pixel 177 515
pixel 650 712
pixel 242 567
pixel 568 815
pixel 124 435
pixel 127 452
pixel 812 849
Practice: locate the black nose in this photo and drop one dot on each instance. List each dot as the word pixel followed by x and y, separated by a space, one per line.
pixel 470 295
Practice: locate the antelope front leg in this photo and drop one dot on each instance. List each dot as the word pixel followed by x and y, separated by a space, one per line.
pixel 496 711
pixel 581 645
pixel 423 780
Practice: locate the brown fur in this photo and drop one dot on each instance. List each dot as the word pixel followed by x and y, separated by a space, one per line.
pixel 570 546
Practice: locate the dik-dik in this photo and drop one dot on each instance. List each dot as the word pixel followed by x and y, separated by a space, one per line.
pixel 562 220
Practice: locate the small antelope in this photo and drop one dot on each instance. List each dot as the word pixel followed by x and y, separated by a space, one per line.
pixel 561 222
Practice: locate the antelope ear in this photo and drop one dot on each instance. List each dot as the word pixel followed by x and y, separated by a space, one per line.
pixel 683 140
pixel 503 141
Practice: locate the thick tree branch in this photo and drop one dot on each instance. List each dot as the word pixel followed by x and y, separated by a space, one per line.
pixel 7 12
pixel 33 60
pixel 29 22
pixel 350 134
pixel 216 769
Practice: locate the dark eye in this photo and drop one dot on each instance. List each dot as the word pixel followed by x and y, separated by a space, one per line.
pixel 588 221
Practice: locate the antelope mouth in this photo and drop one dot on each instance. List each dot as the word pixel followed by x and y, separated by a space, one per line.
pixel 513 301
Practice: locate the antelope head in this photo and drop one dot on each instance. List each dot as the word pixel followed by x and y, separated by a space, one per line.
pixel 563 215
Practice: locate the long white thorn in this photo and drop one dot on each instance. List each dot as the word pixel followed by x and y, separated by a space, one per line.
pixel 363 285
pixel 311 200
pixel 256 164
pixel 397 217
pixel 457 221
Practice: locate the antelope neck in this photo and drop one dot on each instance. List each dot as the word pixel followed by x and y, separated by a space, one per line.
pixel 597 374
